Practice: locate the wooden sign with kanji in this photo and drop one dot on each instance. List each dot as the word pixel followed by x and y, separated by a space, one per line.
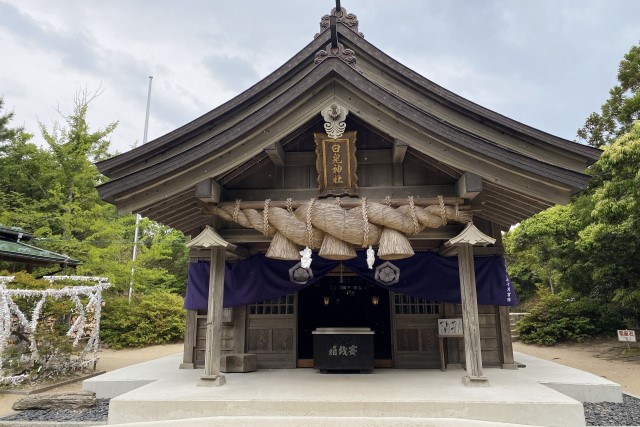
pixel 337 165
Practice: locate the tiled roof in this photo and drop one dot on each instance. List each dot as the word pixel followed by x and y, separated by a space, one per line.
pixel 21 252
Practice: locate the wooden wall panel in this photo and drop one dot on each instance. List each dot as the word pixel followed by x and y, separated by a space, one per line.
pixel 489 336
pixel 300 177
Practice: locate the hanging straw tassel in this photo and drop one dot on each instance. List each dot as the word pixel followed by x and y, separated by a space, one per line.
pixel 336 249
pixel 283 248
pixel 394 245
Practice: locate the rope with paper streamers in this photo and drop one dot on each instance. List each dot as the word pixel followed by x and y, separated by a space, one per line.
pixel 313 222
pixel 18 321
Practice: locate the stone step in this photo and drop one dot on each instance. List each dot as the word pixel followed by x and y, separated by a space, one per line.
pixel 321 422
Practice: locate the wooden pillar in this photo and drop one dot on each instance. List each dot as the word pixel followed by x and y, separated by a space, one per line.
pixel 470 320
pixel 212 376
pixel 189 340
pixel 463 243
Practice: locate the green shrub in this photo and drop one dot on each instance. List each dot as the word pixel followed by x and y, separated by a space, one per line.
pixel 153 318
pixel 564 317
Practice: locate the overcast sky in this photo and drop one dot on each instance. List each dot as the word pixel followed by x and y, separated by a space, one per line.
pixel 546 63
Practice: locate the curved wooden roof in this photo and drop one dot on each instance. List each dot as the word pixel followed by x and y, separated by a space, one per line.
pixel 524 169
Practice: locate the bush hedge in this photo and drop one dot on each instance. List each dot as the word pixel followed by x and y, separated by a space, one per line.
pixel 564 316
pixel 150 319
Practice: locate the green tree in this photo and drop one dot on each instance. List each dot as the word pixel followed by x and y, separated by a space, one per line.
pixel 541 250
pixel 26 173
pixel 6 133
pixel 610 242
pixel 75 148
pixel 618 113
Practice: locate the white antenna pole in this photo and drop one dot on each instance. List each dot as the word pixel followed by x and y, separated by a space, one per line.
pixel 138 217
pixel 146 119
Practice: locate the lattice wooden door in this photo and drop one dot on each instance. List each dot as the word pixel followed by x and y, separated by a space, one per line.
pixel 415 332
pixel 271 332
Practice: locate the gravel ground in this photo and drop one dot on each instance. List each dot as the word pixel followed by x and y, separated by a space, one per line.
pixel 99 412
pixel 596 414
pixel 613 414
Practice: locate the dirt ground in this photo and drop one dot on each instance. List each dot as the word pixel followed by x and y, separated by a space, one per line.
pixel 609 359
pixel 109 361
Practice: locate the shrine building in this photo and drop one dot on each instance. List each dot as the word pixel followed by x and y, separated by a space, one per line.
pixel 347 214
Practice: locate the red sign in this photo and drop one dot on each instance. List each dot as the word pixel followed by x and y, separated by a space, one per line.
pixel 627 335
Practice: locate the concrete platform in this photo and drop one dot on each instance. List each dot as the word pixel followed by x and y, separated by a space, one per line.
pixel 158 390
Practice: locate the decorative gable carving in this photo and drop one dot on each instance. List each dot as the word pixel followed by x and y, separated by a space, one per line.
pixel 347 55
pixel 348 19
pixel 334 116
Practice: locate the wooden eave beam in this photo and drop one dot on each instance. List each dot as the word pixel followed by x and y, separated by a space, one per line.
pixel 181 217
pixel 262 89
pixel 422 194
pixel 442 131
pixel 183 162
pixel 469 185
pixel 177 213
pixel 498 217
pixel 275 153
pixel 218 151
pixel 247 235
pixel 208 190
pixel 439 166
pixel 509 211
pixel 518 196
pixel 458 155
pixel 169 202
pixel 497 201
pixel 188 224
pixel 228 177
pixel 399 151
pixel 430 89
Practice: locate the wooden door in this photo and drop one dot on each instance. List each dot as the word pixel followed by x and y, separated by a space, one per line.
pixel 271 332
pixel 415 332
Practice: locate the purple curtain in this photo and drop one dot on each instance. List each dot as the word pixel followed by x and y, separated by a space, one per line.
pixel 424 275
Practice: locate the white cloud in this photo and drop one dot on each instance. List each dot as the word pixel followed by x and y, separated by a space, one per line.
pixel 545 63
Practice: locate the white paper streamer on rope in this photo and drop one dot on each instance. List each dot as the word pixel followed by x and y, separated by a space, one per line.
pixel 371 257
pixel 305 261
pixel 77 331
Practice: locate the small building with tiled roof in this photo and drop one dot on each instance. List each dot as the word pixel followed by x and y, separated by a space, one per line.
pixel 17 254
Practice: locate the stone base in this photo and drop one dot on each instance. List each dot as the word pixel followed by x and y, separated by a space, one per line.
pixel 75 400
pixel 470 381
pixel 187 366
pixel 241 362
pixel 509 366
pixel 212 381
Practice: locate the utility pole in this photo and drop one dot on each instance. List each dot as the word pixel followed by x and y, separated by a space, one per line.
pixel 138 217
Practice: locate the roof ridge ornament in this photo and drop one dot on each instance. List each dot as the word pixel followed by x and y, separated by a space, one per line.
pixel 334 116
pixel 347 19
pixel 348 56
